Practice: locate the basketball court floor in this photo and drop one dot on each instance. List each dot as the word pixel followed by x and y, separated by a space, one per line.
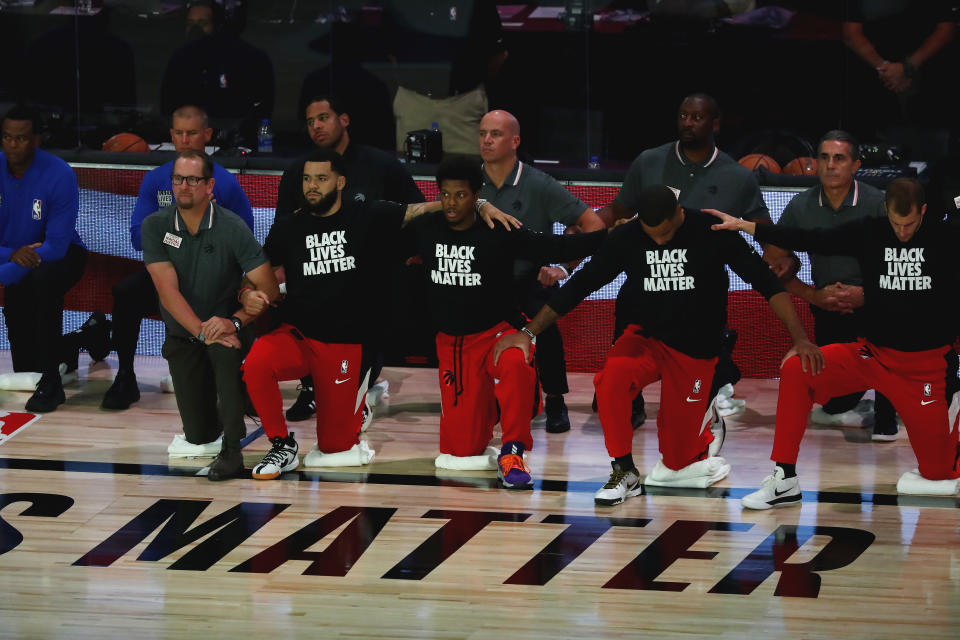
pixel 102 536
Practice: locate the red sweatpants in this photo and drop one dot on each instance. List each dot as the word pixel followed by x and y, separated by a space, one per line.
pixel 635 361
pixel 915 382
pixel 286 354
pixel 471 386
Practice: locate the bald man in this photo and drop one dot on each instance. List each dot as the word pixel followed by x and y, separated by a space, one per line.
pixel 538 201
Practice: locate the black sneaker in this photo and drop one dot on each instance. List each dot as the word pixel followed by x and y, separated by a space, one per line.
pixel 48 396
pixel 95 336
pixel 639 414
pixel 885 434
pixel 304 407
pixel 228 464
pixel 122 393
pixel 557 419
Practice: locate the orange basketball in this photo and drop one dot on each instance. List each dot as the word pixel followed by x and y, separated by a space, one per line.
pixel 802 166
pixel 754 161
pixel 126 142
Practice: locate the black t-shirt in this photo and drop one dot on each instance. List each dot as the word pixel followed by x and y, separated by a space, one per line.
pixel 329 262
pixel 677 292
pixel 908 287
pixel 471 271
pixel 372 174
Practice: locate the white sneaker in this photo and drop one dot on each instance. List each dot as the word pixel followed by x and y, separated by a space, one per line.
pixel 356 456
pixel 698 475
pixel 775 491
pixel 181 448
pixel 281 458
pixel 620 486
pixel 166 384
pixel 913 483
pixel 378 392
pixel 852 418
pixel 367 413
pixel 718 427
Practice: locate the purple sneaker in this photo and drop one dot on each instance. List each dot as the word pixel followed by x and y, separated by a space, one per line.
pixel 512 473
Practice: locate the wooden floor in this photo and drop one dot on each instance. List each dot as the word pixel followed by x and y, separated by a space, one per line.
pixel 101 536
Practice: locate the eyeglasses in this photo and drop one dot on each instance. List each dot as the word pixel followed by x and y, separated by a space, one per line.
pixel 190 180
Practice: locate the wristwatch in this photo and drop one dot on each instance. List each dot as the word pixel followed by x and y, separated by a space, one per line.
pixel 480 203
pixel 202 339
pixel 529 334
pixel 236 323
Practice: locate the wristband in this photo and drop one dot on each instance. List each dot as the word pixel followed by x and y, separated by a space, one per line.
pixel 236 323
pixel 566 269
pixel 525 331
pixel 240 294
pixel 480 203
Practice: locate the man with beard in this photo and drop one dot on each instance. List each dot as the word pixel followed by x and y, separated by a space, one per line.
pixel 701 176
pixel 905 350
pixel 469 268
pixel 374 175
pixel 196 253
pixel 135 297
pixel 327 252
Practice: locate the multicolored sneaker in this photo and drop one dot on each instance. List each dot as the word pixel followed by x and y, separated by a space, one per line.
pixel 622 484
pixel 282 457
pixel 512 472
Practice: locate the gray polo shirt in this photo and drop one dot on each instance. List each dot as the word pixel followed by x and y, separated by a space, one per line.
pixel 717 183
pixel 537 200
pixel 209 265
pixel 810 209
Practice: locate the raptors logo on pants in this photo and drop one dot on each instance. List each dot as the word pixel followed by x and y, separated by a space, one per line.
pixel 471 387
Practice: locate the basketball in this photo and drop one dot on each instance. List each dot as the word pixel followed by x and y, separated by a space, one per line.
pixel 802 166
pixel 754 161
pixel 126 142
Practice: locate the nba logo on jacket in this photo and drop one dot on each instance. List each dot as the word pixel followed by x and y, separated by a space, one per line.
pixel 37 208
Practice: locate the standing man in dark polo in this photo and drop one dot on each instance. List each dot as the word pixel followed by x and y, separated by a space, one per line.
pixel 197 252
pixel 836 296
pixel 41 254
pixel 374 175
pixel 135 297
pixel 702 177
pixel 538 201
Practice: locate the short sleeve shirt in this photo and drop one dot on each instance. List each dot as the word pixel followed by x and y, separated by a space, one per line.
pixel 209 265
pixel 717 183
pixel 537 200
pixel 811 210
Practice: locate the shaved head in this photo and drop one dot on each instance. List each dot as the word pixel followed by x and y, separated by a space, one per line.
pixel 503 120
pixel 499 136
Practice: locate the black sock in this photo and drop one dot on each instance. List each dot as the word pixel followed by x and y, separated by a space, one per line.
pixel 624 463
pixel 789 470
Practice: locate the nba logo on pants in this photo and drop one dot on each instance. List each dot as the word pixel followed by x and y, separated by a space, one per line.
pixel 343 367
pixel 13 421
pixel 37 208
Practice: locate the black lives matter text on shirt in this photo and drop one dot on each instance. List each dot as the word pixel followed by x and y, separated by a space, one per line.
pixel 677 292
pixel 329 264
pixel 471 271
pixel 908 287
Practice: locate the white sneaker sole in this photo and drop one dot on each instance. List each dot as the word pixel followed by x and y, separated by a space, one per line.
pixel 763 506
pixel 273 476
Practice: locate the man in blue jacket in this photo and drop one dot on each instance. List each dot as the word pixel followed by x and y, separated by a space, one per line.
pixel 135 297
pixel 41 254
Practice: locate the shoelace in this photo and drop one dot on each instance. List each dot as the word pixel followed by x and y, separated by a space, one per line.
pixel 616 477
pixel 277 453
pixel 510 462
